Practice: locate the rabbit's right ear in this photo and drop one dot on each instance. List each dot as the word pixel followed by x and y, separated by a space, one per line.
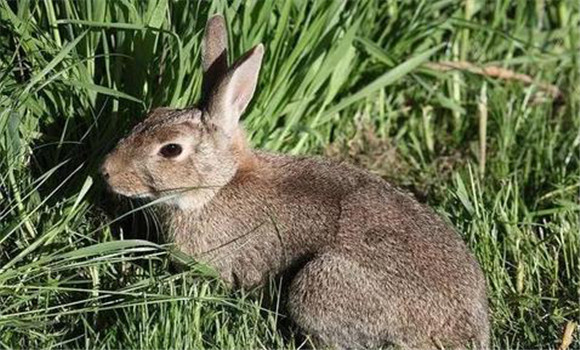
pixel 214 54
pixel 232 95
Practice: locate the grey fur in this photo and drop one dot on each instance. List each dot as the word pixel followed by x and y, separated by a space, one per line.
pixel 375 267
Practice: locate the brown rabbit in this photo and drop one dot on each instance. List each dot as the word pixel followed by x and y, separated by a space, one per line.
pixel 375 267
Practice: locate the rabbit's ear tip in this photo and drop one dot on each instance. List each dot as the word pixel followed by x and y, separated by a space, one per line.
pixel 257 50
pixel 216 18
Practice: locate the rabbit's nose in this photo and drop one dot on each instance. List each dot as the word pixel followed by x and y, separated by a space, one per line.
pixel 105 170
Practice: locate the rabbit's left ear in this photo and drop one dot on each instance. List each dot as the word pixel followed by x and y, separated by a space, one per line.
pixel 214 54
pixel 233 94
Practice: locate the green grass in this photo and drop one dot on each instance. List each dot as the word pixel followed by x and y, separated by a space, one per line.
pixel 346 79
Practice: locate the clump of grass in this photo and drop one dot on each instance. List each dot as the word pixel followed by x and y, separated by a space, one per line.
pixel 347 76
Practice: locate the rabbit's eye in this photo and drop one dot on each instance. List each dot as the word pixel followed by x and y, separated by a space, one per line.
pixel 171 150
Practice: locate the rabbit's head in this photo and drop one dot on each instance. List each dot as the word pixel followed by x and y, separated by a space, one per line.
pixel 186 155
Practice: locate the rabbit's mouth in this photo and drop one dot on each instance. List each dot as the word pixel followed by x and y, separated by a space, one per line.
pixel 126 182
pixel 150 194
pixel 132 195
pixel 129 188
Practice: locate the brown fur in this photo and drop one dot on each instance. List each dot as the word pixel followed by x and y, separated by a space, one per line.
pixel 377 267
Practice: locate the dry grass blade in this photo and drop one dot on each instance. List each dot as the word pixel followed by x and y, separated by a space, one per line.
pixel 482 109
pixel 494 72
pixel 568 335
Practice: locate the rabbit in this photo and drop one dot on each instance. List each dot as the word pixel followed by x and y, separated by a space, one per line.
pixel 372 266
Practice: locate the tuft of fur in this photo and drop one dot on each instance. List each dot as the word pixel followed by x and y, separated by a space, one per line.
pixel 375 267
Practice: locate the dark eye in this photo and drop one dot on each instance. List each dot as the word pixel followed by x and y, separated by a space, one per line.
pixel 171 150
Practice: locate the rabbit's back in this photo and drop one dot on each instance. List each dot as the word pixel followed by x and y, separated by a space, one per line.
pixel 418 268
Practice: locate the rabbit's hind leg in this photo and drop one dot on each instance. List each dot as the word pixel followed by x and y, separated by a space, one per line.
pixel 332 299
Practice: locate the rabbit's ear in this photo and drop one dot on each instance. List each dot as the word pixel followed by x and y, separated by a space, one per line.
pixel 214 54
pixel 229 100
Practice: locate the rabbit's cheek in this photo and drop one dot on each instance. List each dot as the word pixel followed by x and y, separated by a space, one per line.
pixel 172 176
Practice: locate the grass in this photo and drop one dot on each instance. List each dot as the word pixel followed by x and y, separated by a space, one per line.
pixel 498 158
